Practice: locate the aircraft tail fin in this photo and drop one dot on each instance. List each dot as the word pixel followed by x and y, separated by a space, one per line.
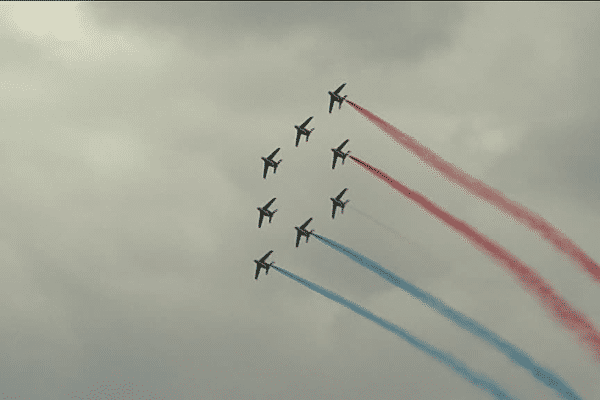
pixel 346 202
pixel 271 215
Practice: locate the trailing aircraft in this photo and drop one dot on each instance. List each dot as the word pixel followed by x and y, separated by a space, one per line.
pixel 270 163
pixel 262 264
pixel 335 96
pixel 264 211
pixel 337 202
pixel 301 130
pixel 339 153
pixel 303 232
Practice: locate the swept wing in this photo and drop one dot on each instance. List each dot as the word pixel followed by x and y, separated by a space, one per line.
pixel 343 144
pixel 269 203
pixel 266 256
pixel 339 196
pixel 306 122
pixel 306 223
pixel 338 90
pixel 273 153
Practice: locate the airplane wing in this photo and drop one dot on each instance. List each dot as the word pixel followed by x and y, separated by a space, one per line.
pixel 339 196
pixel 331 104
pixel 304 225
pixel 338 90
pixel 265 171
pixel 266 256
pixel 269 203
pixel 273 153
pixel 306 123
pixel 298 239
pixel 257 271
pixel 333 211
pixel 298 138
pixel 343 144
pixel 335 156
pixel 260 219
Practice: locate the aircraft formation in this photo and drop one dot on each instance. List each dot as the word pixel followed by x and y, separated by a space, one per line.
pixel 270 162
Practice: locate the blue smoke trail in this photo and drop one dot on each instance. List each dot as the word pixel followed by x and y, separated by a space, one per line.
pixel 513 352
pixel 448 359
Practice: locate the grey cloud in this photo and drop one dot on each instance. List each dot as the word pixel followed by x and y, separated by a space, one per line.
pixel 379 31
pixel 131 183
pixel 556 159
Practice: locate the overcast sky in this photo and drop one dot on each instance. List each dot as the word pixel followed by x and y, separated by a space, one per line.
pixel 130 145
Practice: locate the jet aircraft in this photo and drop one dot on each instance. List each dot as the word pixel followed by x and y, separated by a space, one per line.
pixel 262 264
pixel 301 130
pixel 339 153
pixel 264 211
pixel 335 96
pixel 303 232
pixel 270 163
pixel 337 202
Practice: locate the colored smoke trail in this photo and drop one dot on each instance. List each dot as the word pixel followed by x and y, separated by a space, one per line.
pixel 475 378
pixel 558 307
pixel 478 188
pixel 513 352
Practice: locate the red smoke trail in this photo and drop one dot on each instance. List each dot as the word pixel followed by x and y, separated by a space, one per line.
pixel 529 279
pixel 476 187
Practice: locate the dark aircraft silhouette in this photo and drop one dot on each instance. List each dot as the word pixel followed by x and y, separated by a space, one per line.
pixel 301 130
pixel 262 264
pixel 339 153
pixel 303 232
pixel 335 96
pixel 264 211
pixel 337 202
pixel 270 163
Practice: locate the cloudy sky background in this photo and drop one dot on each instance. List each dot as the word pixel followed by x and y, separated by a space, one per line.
pixel 130 172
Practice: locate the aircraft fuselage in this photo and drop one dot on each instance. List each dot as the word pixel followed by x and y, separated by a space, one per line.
pixel 271 163
pixel 263 264
pixel 268 213
pixel 337 202
pixel 304 232
pixel 339 153
pixel 303 131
